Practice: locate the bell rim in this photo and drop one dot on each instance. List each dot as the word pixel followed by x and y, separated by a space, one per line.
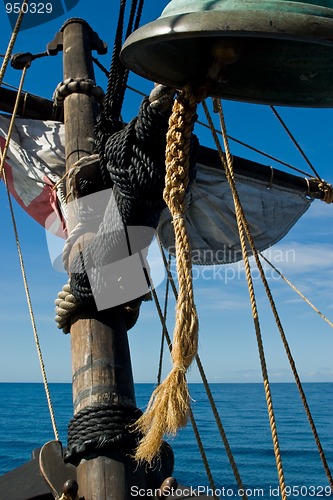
pixel 321 29
pixel 301 28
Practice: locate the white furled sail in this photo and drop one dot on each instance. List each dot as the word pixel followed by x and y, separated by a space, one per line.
pixel 36 162
pixel 271 210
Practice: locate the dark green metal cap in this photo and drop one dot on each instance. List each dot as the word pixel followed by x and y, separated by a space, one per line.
pixel 269 52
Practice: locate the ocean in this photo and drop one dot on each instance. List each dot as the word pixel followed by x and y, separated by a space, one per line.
pixel 25 425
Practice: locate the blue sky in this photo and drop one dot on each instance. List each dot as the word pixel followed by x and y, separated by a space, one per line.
pixel 227 339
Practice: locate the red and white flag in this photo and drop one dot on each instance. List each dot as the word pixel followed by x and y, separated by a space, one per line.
pixel 35 162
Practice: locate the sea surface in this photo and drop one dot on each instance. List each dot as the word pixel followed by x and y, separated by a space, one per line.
pixel 25 425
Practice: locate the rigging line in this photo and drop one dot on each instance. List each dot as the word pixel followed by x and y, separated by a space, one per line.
pixel 238 141
pixel 296 376
pixel 283 123
pixel 32 317
pixel 100 66
pixel 12 41
pixel 192 419
pixel 167 287
pixel 3 154
pixel 252 148
pixel 209 395
pixel 294 369
pixel 286 346
pixel 226 159
pixel 242 143
pixel 19 250
pixel 297 290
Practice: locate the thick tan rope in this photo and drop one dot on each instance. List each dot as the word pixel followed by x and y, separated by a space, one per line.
pixel 12 42
pixel 296 375
pixel 286 345
pixel 191 415
pixel 248 146
pixel 297 291
pixel 227 162
pixel 18 245
pixel 205 383
pixel 168 409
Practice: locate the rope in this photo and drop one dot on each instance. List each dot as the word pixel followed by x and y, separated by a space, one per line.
pixel 294 370
pixel 207 389
pixel 266 155
pixel 203 453
pixel 285 343
pixel 135 170
pixel 101 427
pixel 168 408
pixel 3 155
pixel 284 339
pixel 160 364
pixel 191 416
pixel 12 41
pixel 241 222
pixel 297 290
pixel 118 74
pixel 282 122
pixel 327 191
pixel 248 146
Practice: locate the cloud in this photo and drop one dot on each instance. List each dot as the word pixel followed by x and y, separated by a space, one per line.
pixel 298 257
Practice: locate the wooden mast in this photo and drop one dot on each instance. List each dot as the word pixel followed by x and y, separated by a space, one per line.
pixel 101 364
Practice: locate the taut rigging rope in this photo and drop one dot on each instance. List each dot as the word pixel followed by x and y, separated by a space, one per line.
pixel 297 291
pixel 276 316
pixel 241 223
pixel 165 334
pixel 279 117
pixel 19 250
pixel 205 383
pixel 12 41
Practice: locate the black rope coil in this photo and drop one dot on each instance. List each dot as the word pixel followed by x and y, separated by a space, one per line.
pixel 133 164
pixel 109 428
pixel 104 427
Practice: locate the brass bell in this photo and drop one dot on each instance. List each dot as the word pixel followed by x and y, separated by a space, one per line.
pixel 262 51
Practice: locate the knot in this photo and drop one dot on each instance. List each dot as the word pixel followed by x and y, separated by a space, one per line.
pixel 66 305
pixel 178 217
pixel 77 86
pixel 327 191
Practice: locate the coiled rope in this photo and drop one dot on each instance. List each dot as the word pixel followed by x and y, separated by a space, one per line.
pixel 169 406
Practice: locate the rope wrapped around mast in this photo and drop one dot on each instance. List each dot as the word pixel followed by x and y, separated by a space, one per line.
pixel 133 165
